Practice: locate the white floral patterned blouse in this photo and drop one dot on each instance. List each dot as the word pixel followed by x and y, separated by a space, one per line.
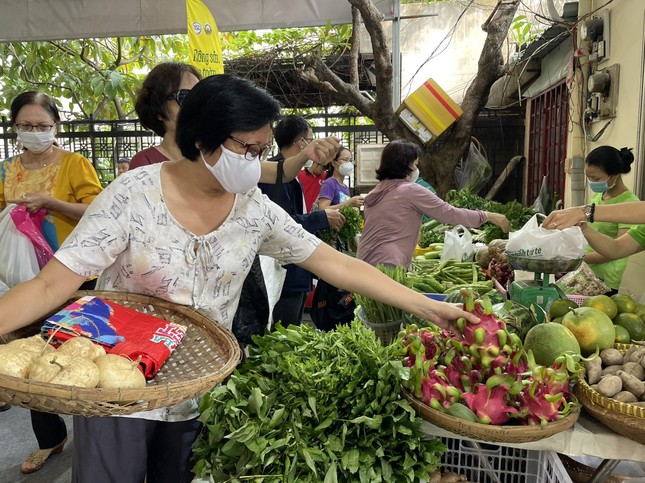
pixel 129 237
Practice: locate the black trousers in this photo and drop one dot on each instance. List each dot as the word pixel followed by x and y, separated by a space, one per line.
pixel 49 429
pixel 131 450
pixel 289 308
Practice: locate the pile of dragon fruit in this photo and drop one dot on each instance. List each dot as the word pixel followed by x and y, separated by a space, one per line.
pixel 486 377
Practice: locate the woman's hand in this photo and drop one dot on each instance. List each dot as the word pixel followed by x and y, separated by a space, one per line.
pixel 34 201
pixel 322 151
pixel 355 201
pixel 561 219
pixel 335 219
pixel 445 315
pixel 499 220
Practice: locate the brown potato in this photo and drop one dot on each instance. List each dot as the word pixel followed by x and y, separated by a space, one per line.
pixel 610 386
pixel 631 383
pixel 635 369
pixel 594 370
pixel 611 357
pixel 626 397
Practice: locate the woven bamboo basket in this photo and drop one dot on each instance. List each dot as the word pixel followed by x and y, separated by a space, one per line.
pixel 626 419
pixel 207 354
pixel 386 333
pixel 491 433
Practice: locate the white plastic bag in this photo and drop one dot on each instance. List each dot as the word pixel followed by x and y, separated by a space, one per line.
pixel 533 241
pixel 18 262
pixel 458 245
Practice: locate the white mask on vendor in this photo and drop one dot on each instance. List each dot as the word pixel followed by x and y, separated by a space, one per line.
pixel 414 175
pixel 235 173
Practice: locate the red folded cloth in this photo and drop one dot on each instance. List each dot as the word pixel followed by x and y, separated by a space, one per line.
pixel 119 329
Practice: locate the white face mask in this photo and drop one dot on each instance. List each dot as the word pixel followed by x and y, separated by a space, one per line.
pixel 346 169
pixel 235 173
pixel 414 175
pixel 36 142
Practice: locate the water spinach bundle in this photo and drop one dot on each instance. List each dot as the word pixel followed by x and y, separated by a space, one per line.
pixel 311 406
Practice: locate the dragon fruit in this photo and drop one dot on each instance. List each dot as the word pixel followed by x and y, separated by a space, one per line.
pixel 491 406
pixel 487 370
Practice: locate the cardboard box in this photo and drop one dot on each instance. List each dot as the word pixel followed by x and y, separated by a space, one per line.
pixel 429 111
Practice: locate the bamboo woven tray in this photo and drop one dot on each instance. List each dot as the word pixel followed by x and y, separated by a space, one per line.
pixel 491 433
pixel 626 419
pixel 207 354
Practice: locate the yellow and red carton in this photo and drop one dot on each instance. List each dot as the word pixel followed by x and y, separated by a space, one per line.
pixel 429 111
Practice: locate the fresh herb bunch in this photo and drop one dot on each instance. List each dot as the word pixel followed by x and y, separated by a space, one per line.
pixel 516 212
pixel 352 227
pixel 378 312
pixel 317 406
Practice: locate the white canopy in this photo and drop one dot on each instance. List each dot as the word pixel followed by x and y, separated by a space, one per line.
pixel 29 20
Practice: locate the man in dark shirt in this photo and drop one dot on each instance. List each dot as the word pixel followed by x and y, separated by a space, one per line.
pixel 291 135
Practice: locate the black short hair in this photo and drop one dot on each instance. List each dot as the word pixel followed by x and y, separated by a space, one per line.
pixel 396 159
pixel 219 105
pixel 123 160
pixel 289 129
pixel 159 85
pixel 611 160
pixel 37 98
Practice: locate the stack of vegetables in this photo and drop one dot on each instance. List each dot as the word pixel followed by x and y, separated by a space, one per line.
pixel 516 212
pixel 314 406
pixel 347 234
pixel 486 377
pixel 429 275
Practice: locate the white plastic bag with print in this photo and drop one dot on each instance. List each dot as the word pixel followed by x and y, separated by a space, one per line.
pixel 533 241
pixel 18 262
pixel 458 245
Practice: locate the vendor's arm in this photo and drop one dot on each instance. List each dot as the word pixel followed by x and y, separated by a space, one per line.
pixel 610 248
pixel 357 276
pixel 320 151
pixel 633 212
pixel 596 257
pixel 30 301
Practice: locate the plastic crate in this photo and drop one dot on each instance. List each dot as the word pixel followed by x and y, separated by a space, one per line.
pixel 487 463
pixel 579 299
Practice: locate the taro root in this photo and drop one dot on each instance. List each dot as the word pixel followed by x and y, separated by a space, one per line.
pixel 119 372
pixel 81 347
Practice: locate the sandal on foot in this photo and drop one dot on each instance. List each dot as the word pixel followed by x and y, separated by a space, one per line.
pixel 37 459
pixel 4 406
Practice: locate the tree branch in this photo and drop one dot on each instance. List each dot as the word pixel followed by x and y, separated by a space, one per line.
pixel 354 51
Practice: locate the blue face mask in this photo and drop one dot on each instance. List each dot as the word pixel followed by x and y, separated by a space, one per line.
pixel 600 186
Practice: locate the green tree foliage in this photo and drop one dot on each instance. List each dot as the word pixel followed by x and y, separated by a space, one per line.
pixel 89 77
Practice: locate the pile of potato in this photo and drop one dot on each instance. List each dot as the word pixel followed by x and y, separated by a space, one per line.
pixel 619 376
pixel 77 362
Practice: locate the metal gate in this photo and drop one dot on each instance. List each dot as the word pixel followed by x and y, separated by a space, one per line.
pixel 547 143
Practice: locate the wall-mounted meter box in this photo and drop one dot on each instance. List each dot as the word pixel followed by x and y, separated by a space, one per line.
pixel 429 111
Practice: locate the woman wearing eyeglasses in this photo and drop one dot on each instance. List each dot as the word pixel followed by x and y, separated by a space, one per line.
pixel 44 176
pixel 158 104
pixel 188 231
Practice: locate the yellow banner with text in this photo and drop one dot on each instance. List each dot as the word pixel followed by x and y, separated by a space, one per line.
pixel 203 39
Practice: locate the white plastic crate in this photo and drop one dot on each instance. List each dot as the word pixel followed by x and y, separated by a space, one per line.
pixel 488 463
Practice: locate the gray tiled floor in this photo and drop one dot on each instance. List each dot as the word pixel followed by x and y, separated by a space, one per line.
pixel 18 440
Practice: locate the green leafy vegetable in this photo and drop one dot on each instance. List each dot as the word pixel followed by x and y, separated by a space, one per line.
pixel 311 406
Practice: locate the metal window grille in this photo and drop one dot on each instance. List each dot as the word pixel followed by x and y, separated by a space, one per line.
pixel 548 122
